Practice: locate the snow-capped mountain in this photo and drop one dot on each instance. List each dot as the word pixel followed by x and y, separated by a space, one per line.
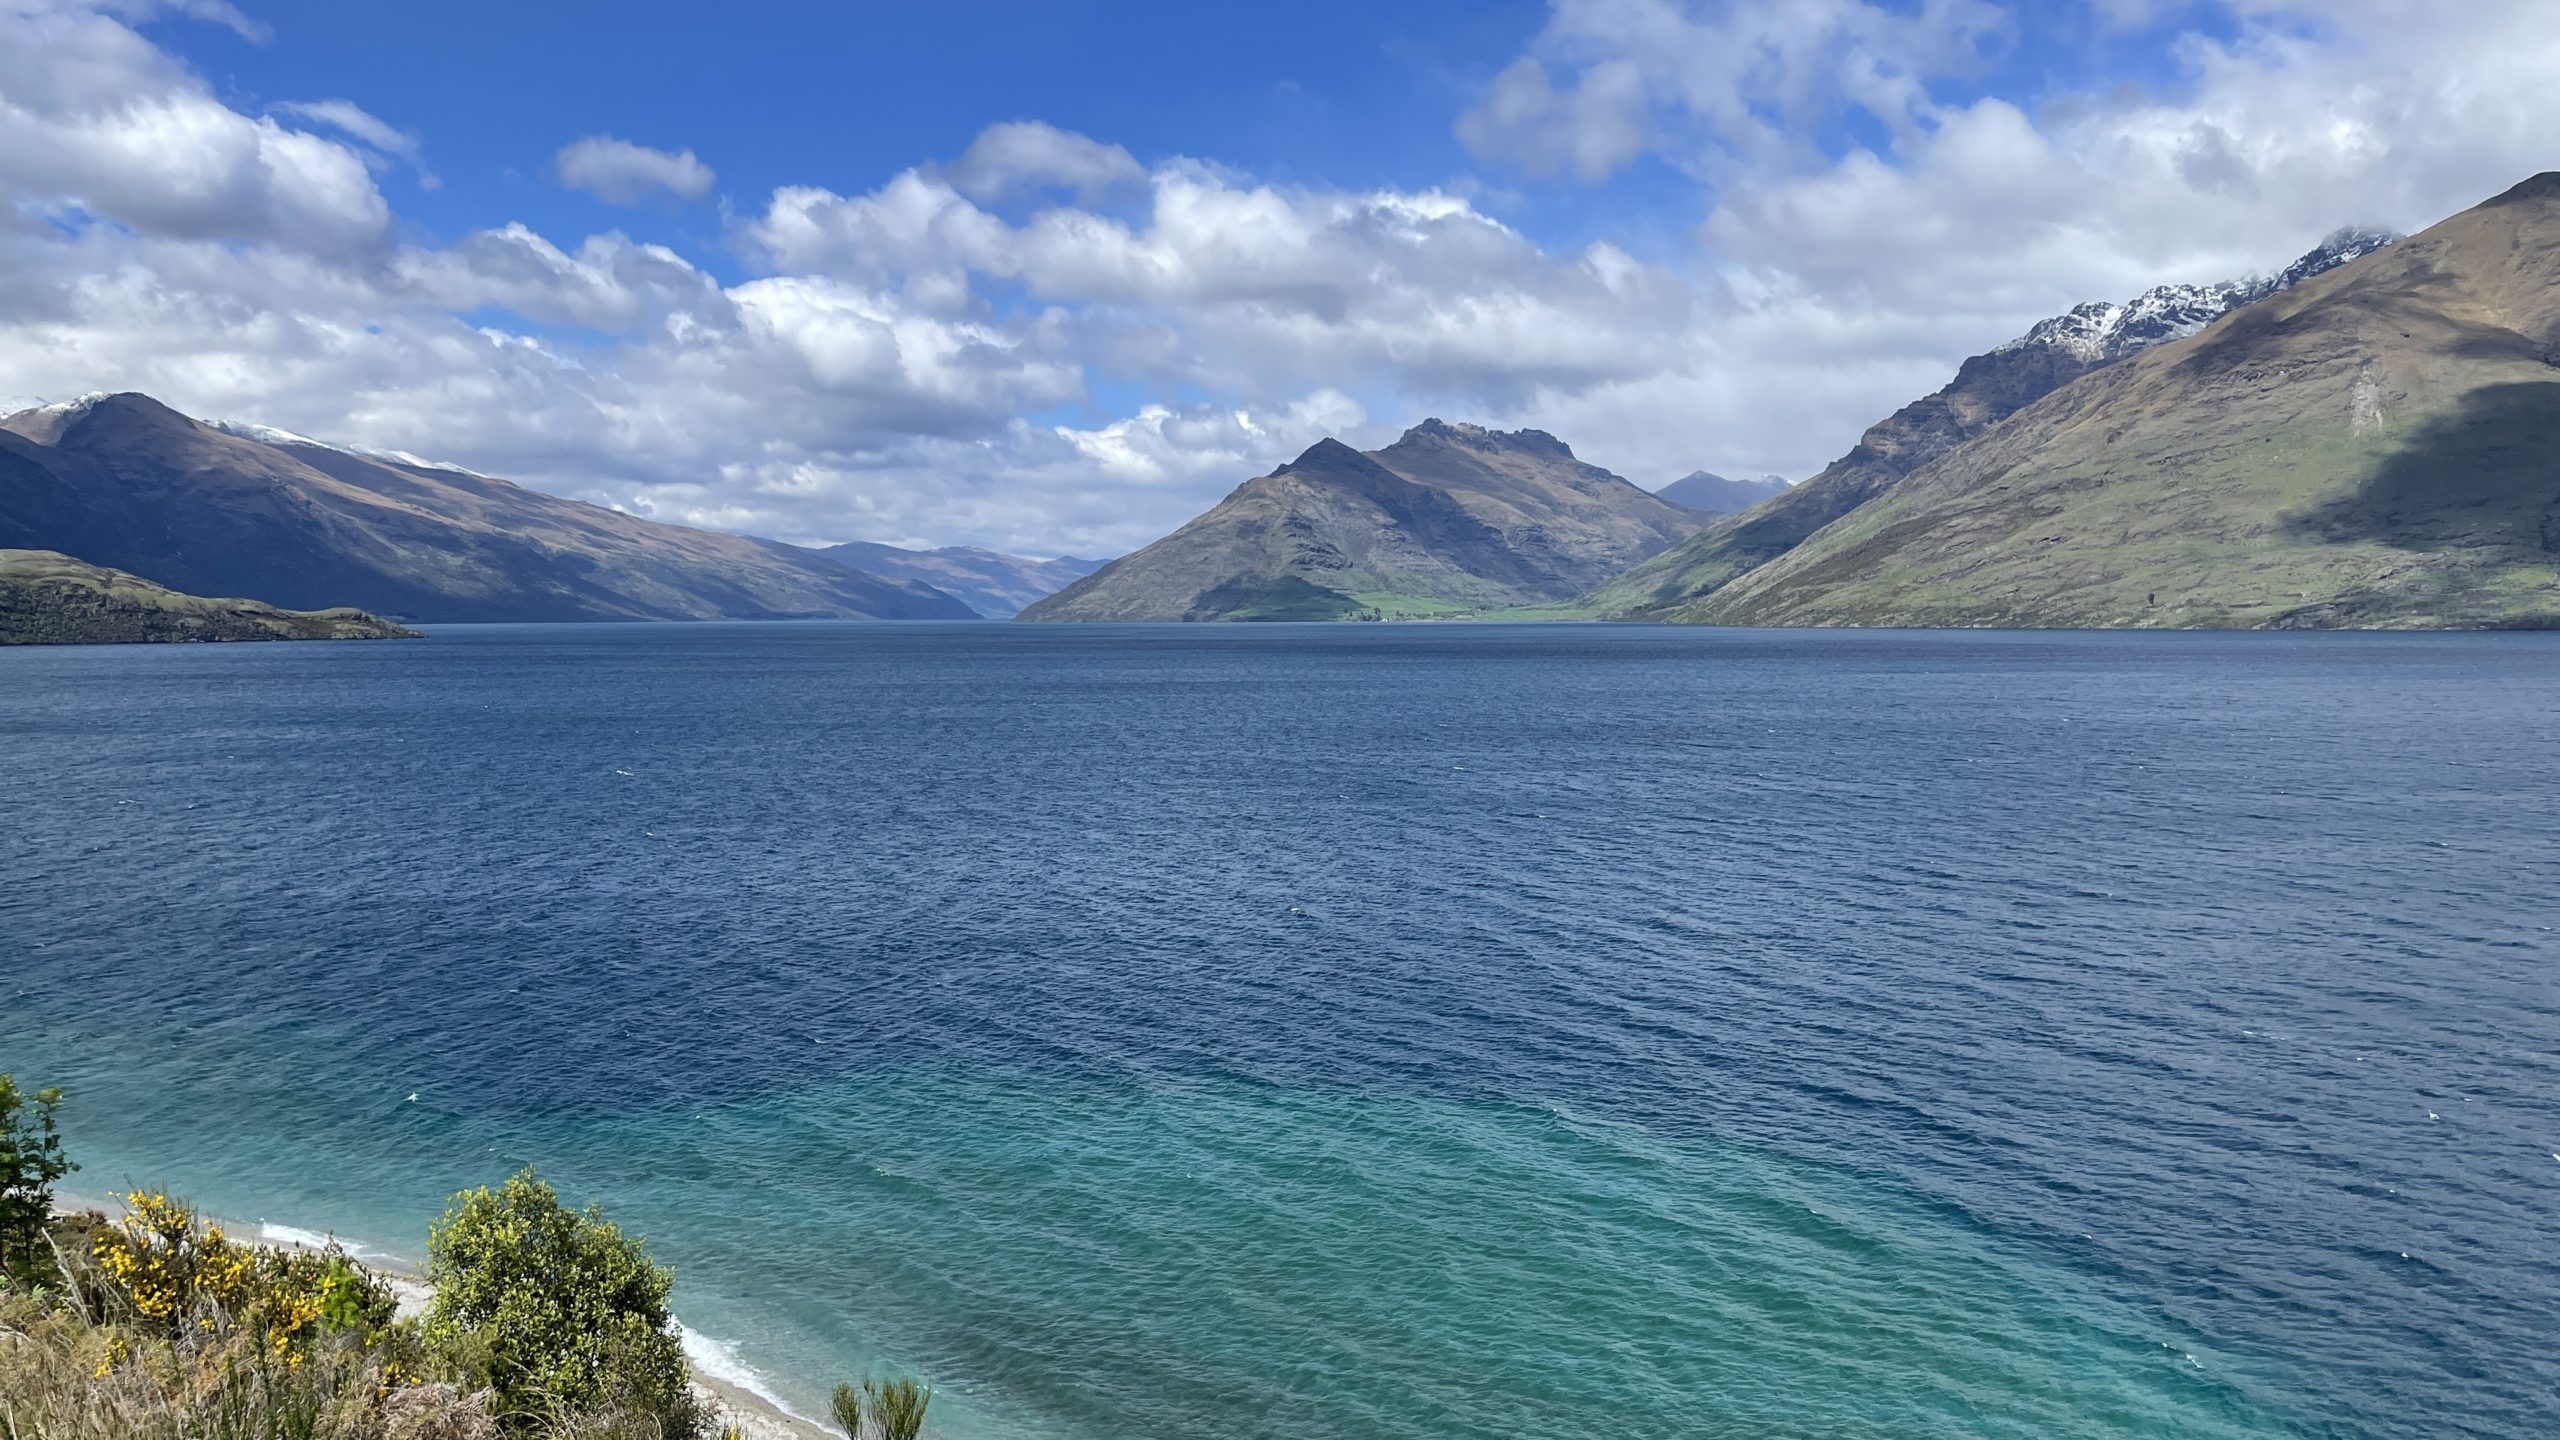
pixel 272 435
pixel 2102 330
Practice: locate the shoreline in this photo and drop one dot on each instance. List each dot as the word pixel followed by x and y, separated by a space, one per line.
pixel 735 1390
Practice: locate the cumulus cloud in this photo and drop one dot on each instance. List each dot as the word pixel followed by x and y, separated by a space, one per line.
pixel 1026 155
pixel 1260 288
pixel 1588 129
pixel 621 173
pixel 98 120
pixel 1720 82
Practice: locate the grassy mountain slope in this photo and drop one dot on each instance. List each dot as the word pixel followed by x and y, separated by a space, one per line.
pixel 1449 520
pixel 2378 446
pixel 48 598
pixel 1987 389
pixel 123 480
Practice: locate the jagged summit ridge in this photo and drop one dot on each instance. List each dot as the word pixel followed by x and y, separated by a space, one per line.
pixel 1460 432
pixel 2102 330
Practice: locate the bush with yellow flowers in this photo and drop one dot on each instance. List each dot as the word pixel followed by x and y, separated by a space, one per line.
pixel 161 1269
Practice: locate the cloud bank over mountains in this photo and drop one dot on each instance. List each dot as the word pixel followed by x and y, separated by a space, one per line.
pixel 1044 342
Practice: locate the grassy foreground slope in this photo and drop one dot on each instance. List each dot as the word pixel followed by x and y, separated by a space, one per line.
pixel 2378 446
pixel 48 598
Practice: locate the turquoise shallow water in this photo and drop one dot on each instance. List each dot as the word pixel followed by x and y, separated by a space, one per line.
pixel 1391 1032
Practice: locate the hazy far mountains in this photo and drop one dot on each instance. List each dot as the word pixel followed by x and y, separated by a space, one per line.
pixel 124 481
pixel 1711 494
pixel 993 584
pixel 1450 519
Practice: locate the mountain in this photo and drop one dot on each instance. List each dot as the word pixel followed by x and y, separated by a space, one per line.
pixel 51 599
pixel 993 584
pixel 2372 445
pixel 1447 520
pixel 1715 495
pixel 1987 389
pixel 124 481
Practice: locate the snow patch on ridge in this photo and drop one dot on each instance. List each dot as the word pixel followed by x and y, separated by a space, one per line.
pixel 2101 330
pixel 271 435
pixel 66 409
pixel 263 434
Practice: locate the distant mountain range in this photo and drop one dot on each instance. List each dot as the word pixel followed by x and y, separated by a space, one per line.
pixel 2367 443
pixel 1715 495
pixel 1987 390
pixel 2365 438
pixel 1450 519
pixel 994 585
pixel 126 482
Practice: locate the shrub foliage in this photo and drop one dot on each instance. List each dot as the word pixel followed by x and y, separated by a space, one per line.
pixel 546 1324
pixel 31 1160
pixel 555 1310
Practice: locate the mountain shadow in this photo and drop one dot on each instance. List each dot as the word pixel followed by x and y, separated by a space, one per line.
pixel 2483 477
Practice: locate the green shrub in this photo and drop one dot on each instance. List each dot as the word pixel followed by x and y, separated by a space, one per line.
pixel 897 1407
pixel 31 1159
pixel 556 1313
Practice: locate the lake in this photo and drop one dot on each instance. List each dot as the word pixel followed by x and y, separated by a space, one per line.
pixel 1370 1031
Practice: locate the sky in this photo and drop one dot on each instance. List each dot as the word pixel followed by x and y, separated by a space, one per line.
pixel 1054 277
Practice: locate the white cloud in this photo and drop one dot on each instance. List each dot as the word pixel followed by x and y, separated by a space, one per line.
pixel 1589 129
pixel 1715 83
pixel 621 173
pixel 98 120
pixel 383 138
pixel 1262 289
pixel 1026 154
pixel 213 12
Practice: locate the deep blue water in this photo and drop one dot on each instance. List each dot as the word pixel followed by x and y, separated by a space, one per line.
pixel 1375 1031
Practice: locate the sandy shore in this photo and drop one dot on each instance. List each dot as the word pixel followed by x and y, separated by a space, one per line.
pixel 757 1417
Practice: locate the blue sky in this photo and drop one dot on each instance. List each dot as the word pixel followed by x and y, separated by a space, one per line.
pixel 1327 91
pixel 1054 277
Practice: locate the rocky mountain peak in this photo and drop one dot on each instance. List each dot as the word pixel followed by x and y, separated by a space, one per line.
pixel 49 424
pixel 1326 453
pixel 2100 331
pixel 1446 432
pixel 2348 242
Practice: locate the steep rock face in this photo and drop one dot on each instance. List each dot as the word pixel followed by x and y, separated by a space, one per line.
pixel 2372 446
pixel 124 481
pixel 1987 389
pixel 47 598
pixel 995 585
pixel 1450 519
